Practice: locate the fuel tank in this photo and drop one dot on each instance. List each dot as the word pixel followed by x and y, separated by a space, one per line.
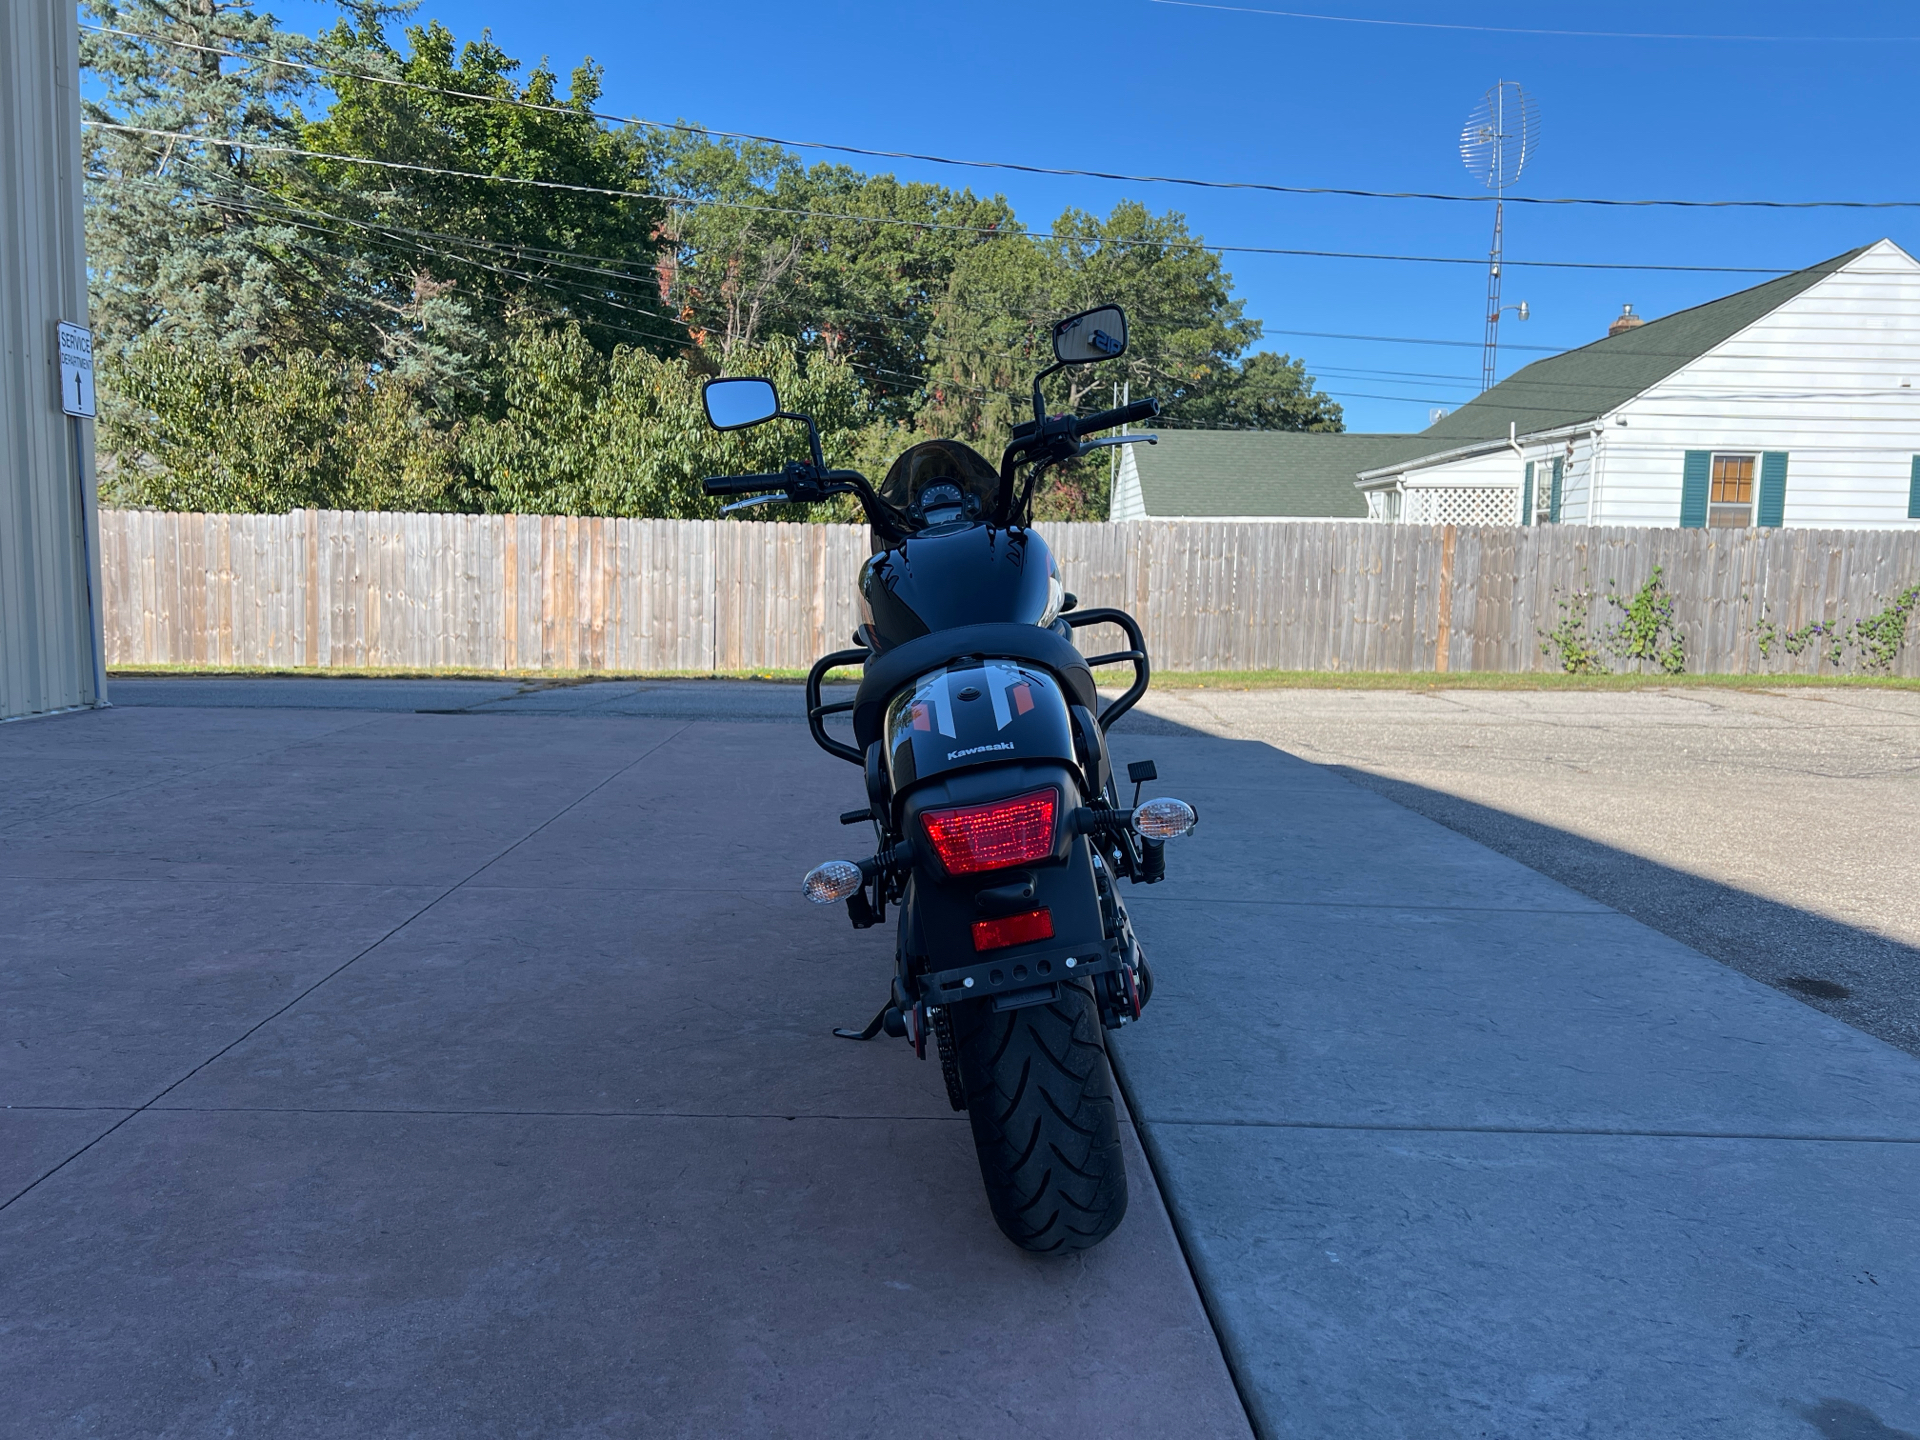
pixel 960 574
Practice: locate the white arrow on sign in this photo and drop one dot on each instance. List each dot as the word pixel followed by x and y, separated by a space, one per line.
pixel 76 370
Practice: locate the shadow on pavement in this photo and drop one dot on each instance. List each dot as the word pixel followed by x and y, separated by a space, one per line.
pixel 1457 1149
pixel 1868 980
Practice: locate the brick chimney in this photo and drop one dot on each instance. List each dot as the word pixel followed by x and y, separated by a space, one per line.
pixel 1624 322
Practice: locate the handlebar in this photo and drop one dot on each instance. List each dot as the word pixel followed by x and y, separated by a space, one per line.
pixel 743 484
pixel 1123 415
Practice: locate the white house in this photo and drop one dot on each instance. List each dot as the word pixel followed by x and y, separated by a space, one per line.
pixel 1793 403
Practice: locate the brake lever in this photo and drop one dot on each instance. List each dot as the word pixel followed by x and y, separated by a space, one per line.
pixel 755 500
pixel 1119 440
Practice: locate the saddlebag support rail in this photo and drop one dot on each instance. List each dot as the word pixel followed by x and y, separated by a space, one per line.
pixel 817 712
pixel 1136 656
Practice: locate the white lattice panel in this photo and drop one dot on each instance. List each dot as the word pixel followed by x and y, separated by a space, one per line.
pixel 1465 505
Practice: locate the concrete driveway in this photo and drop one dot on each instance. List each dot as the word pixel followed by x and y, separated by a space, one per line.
pixel 466 1073
pixel 378 1073
pixel 1773 830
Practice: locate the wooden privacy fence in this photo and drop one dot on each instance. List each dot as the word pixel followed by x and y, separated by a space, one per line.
pixel 547 592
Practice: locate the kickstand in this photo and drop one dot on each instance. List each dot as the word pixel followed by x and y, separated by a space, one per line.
pixel 873 1027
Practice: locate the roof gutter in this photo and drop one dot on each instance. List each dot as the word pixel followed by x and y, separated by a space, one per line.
pixel 1513 441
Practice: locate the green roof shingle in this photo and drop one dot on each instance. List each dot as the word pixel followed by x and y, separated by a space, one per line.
pixel 1200 473
pixel 1585 383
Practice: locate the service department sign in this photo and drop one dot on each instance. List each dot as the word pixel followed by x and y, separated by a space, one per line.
pixel 76 370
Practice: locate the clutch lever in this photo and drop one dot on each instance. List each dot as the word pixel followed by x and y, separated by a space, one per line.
pixel 755 500
pixel 1086 445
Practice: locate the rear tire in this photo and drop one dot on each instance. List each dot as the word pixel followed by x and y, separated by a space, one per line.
pixel 1040 1098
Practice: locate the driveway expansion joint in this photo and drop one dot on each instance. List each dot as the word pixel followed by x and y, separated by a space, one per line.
pixel 337 970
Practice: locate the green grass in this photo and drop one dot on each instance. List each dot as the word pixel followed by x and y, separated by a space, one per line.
pixel 540 679
pixel 1112 679
pixel 1491 680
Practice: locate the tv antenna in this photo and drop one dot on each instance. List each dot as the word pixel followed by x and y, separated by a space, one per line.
pixel 1498 139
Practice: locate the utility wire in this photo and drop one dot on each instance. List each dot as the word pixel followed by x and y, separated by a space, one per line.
pixel 1576 34
pixel 1131 179
pixel 995 231
pixel 580 289
pixel 1407 340
pixel 569 290
pixel 576 289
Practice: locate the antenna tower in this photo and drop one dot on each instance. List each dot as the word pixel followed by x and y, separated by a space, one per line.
pixel 1498 139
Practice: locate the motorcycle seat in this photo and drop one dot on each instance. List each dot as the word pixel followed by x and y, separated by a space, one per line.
pixel 891 669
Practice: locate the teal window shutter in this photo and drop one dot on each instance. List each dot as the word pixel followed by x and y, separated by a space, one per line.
pixel 1526 494
pixel 1693 489
pixel 1553 496
pixel 1772 509
pixel 1913 492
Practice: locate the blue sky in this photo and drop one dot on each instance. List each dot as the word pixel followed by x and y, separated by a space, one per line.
pixel 1136 86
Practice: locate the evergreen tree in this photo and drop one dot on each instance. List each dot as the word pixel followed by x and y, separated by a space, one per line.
pixel 188 236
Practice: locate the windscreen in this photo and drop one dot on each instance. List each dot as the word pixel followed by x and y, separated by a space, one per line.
pixel 934 461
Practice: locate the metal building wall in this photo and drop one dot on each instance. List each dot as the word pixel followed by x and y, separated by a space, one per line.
pixel 49 629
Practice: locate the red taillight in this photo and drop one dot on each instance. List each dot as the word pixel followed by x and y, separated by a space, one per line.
pixel 992 837
pixel 1013 930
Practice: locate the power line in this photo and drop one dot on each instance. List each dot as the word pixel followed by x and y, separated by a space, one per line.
pixel 567 290
pixel 995 231
pixel 1576 34
pixel 1384 374
pixel 1405 339
pixel 1131 179
pixel 579 289
pixel 547 256
pixel 575 288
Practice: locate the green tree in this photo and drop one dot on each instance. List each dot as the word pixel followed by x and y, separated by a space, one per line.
pixel 1186 331
pixel 449 260
pixel 852 265
pixel 281 328
pixel 199 428
pixel 586 434
pixel 184 236
pixel 1264 392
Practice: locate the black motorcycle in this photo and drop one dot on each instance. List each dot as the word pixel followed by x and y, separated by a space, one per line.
pixel 1001 832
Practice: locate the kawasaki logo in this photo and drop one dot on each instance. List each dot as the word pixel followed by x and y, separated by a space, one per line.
pixel 980 749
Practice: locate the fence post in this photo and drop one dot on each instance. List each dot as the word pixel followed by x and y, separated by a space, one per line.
pixel 1445 635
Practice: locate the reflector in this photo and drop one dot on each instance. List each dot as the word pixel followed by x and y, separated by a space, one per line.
pixel 1164 818
pixel 1013 930
pixel 992 837
pixel 835 880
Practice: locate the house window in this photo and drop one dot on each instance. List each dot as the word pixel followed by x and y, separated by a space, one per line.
pixel 1731 494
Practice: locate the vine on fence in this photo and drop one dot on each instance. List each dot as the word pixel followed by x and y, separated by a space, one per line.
pixel 1646 631
pixel 1568 640
pixel 1878 639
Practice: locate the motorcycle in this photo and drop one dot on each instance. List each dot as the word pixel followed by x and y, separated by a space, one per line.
pixel 1001 838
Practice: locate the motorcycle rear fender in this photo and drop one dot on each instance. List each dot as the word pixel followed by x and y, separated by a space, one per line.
pixel 940 910
pixel 977 711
